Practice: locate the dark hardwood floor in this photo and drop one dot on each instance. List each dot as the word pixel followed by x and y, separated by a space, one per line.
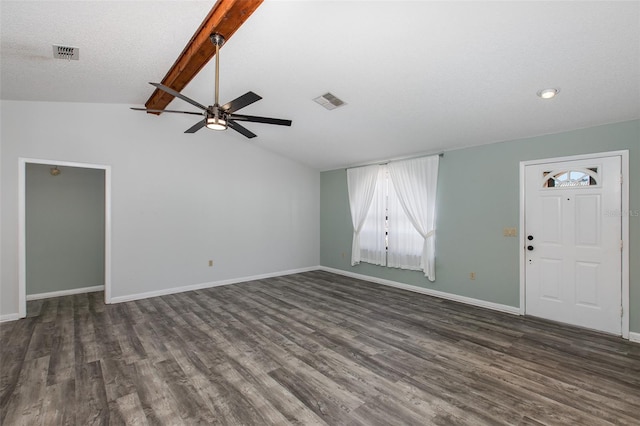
pixel 307 349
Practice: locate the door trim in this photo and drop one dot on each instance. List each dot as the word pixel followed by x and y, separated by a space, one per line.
pixel 624 155
pixel 22 236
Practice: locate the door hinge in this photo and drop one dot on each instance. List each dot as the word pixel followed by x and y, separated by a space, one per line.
pixel 621 311
pixel 621 244
pixel 621 178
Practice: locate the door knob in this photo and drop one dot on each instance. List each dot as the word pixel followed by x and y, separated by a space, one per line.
pixel 530 248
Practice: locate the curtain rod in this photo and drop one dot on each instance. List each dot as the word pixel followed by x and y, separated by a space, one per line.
pixel 381 163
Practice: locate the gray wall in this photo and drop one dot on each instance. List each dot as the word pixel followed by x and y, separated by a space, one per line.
pixel 64 228
pixel 178 200
pixel 478 195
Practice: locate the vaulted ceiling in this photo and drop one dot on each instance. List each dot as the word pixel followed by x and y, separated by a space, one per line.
pixel 417 77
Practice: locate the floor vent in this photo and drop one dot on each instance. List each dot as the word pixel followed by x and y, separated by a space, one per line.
pixel 329 101
pixel 66 52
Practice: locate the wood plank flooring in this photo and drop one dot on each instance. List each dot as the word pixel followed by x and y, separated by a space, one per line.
pixel 307 349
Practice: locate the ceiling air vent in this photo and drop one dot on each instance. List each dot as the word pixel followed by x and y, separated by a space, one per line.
pixel 66 52
pixel 329 101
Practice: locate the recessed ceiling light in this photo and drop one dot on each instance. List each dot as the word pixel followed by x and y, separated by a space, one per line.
pixel 548 93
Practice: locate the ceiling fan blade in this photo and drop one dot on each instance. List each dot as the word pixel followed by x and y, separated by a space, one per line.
pixel 241 129
pixel 266 120
pixel 172 92
pixel 199 125
pixel 241 102
pixel 167 110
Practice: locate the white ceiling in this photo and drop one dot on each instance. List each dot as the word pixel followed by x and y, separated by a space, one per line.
pixel 418 77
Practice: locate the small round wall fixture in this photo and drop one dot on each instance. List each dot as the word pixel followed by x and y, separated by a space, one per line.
pixel 548 93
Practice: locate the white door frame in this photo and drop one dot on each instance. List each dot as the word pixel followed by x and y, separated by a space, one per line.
pixel 22 230
pixel 624 154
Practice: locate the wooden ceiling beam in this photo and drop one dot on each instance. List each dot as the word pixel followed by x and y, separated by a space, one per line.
pixel 225 18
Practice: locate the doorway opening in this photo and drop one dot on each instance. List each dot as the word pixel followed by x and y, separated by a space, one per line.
pixel 26 246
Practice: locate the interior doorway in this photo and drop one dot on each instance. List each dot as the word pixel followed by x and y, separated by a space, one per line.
pixel 573 239
pixel 31 167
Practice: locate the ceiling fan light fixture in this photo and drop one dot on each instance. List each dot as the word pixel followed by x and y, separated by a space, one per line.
pixel 216 123
pixel 548 93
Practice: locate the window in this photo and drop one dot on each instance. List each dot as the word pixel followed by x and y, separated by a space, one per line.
pixel 571 178
pixel 393 213
pixel 388 238
pixel 373 236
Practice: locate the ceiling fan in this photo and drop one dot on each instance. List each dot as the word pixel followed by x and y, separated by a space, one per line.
pixel 219 117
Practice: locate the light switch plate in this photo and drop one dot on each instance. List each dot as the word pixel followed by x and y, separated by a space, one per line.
pixel 510 232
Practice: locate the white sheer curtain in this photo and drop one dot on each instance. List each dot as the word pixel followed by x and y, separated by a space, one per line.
pixel 372 234
pixel 361 185
pixel 415 183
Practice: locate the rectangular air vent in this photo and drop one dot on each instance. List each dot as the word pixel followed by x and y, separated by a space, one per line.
pixel 66 52
pixel 329 101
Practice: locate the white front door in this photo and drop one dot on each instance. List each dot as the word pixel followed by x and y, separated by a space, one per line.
pixel 573 237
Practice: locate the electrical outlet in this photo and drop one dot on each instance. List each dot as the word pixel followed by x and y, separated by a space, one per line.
pixel 472 275
pixel 211 263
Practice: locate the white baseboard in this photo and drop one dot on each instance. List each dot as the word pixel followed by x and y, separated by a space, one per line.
pixel 633 337
pixel 211 284
pixel 64 292
pixel 441 294
pixel 9 317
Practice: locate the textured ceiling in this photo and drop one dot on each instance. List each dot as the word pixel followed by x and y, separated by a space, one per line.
pixel 418 77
